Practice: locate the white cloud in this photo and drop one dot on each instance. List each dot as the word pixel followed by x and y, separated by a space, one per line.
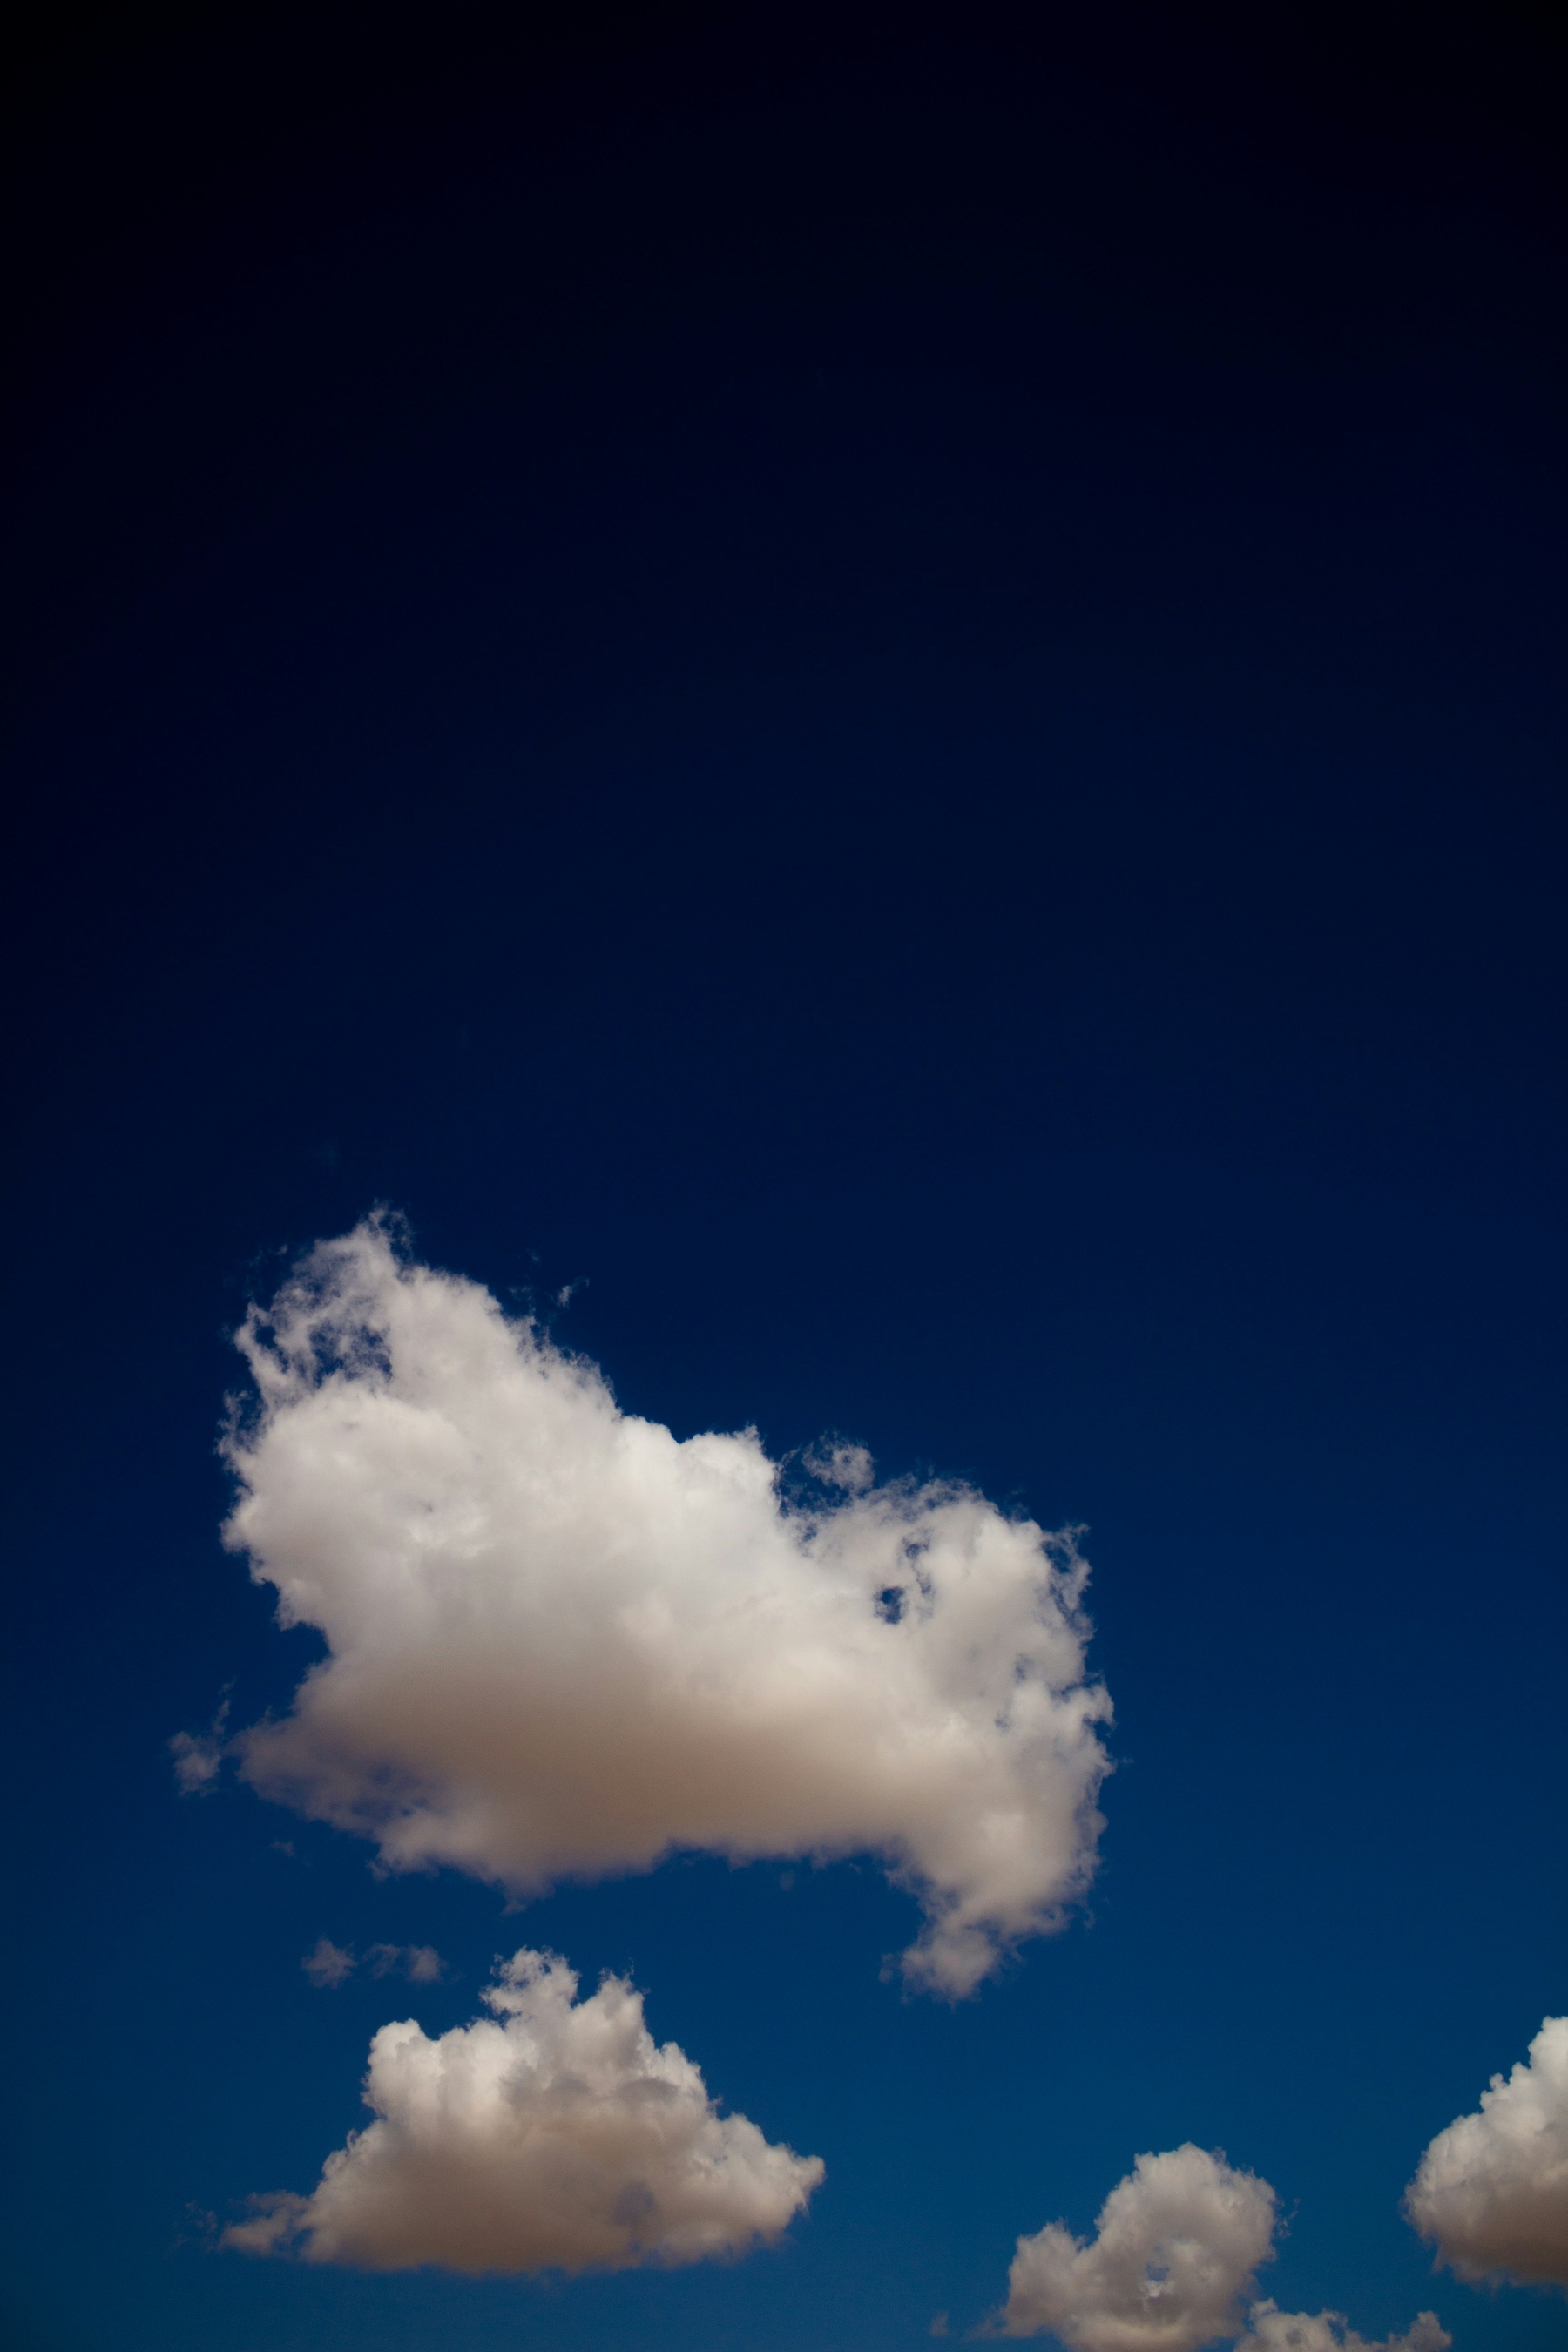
pixel 558 2137
pixel 1177 2244
pixel 1273 2330
pixel 1492 2189
pixel 562 1644
pixel 329 1965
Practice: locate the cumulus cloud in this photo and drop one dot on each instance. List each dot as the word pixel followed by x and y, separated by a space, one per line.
pixel 329 1965
pixel 562 1644
pixel 1273 2330
pixel 1492 2191
pixel 553 2135
pixel 1170 2268
pixel 1177 2246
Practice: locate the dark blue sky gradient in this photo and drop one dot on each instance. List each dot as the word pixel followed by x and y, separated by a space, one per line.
pixel 889 685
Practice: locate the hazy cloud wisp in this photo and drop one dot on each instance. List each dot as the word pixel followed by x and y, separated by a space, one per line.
pixel 421 1963
pixel 198 1755
pixel 329 1965
pixel 553 2135
pixel 1273 2330
pixel 563 1643
pixel 1492 2189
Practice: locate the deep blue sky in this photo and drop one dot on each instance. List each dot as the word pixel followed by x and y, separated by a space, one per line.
pixel 888 683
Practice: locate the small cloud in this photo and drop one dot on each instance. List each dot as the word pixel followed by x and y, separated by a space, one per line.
pixel 329 1965
pixel 564 1294
pixel 420 1963
pixel 1177 2242
pixel 553 2135
pixel 939 2325
pixel 198 1756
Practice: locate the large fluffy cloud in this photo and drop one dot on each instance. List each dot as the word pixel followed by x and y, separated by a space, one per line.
pixel 1273 2330
pixel 1177 2246
pixel 1492 2189
pixel 562 1644
pixel 554 2134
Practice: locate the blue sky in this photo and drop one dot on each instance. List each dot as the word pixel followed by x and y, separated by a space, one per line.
pixel 871 713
